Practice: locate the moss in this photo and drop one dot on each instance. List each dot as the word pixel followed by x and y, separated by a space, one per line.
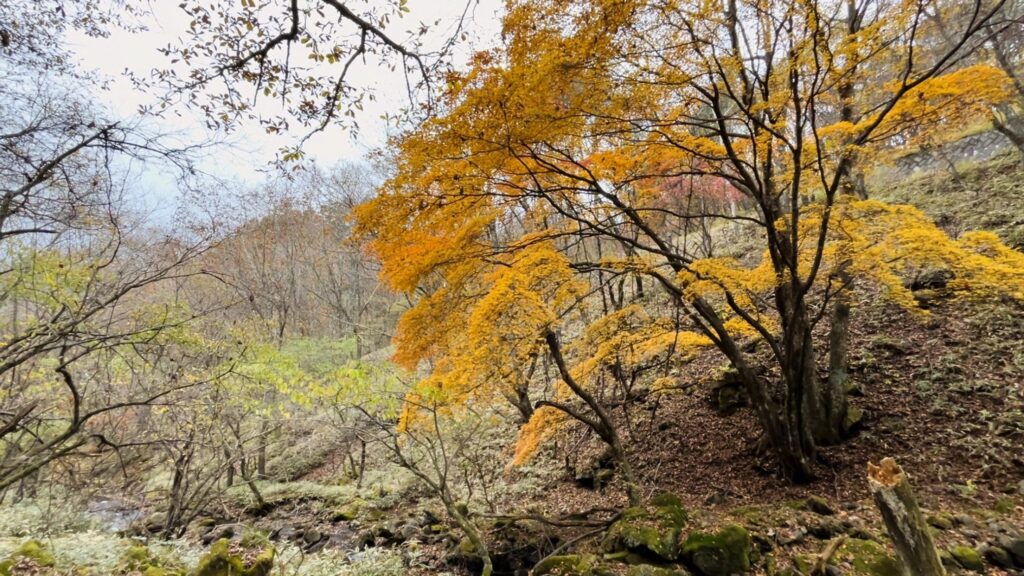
pixel 220 562
pixel 720 554
pixel 31 552
pixel 578 565
pixel 137 560
pixel 968 558
pixel 819 505
pixel 1004 505
pixel 867 558
pixel 940 521
pixel 648 570
pixel 652 531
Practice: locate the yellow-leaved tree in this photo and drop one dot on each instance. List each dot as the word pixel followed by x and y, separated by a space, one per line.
pixel 518 213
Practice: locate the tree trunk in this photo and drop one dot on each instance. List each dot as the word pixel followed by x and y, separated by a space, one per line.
pixel 832 423
pixel 903 519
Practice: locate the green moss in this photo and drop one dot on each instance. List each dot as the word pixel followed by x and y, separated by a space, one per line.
pixel 867 558
pixel 577 565
pixel 940 521
pixel 720 554
pixel 220 562
pixel 31 551
pixel 1004 505
pixel 652 531
pixel 968 558
pixel 648 570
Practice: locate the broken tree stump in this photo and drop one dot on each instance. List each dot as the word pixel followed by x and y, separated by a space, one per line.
pixel 903 519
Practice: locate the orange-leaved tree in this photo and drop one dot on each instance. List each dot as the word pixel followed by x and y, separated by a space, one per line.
pixel 565 140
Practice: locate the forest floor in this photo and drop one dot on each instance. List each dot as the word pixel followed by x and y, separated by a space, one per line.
pixel 942 392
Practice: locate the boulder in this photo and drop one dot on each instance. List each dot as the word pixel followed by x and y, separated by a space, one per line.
pixel 968 558
pixel 27 559
pixel 819 505
pixel 219 561
pixel 728 394
pixel 653 531
pixel 1015 547
pixel 720 554
pixel 571 564
pixel 940 521
pixel 998 557
pixel 866 558
pixel 648 570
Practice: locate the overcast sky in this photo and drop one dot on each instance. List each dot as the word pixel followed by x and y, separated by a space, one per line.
pixel 251 148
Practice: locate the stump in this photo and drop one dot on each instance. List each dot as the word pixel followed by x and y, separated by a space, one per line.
pixel 903 519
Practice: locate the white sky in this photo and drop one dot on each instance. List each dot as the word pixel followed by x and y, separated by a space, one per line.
pixel 250 148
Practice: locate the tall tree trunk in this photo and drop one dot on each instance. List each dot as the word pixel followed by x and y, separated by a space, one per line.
pixel 832 424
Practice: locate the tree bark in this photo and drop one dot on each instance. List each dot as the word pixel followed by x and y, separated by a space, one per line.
pixel 832 424
pixel 903 519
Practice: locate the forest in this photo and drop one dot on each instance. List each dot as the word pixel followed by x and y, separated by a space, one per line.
pixel 511 287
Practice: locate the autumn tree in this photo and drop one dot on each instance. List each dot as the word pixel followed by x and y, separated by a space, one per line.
pixel 569 133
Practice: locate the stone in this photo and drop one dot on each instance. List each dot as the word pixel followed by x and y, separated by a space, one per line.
pixel 648 570
pixel 968 558
pixel 219 561
pixel 1004 505
pixel 582 565
pixel 312 536
pixel 819 505
pixel 866 558
pixel 31 552
pixel 728 394
pixel 997 557
pixel 1015 546
pixel 854 420
pixel 720 554
pixel 940 521
pixel 653 531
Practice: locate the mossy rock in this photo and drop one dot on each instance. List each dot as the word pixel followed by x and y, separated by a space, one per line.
pixel 968 558
pixel 653 531
pixel 219 561
pixel 867 558
pixel 571 564
pixel 137 560
pixel 648 570
pixel 1004 505
pixel 819 505
pixel 31 552
pixel 940 521
pixel 349 511
pixel 720 554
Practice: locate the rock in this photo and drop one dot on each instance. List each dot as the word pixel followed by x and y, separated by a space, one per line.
pixel 220 562
pixel 582 565
pixel 653 531
pixel 719 497
pixel 312 536
pixel 866 558
pixel 1015 547
pixel 26 559
pixel 648 570
pixel 997 557
pixel 965 520
pixel 819 505
pixel 1004 505
pixel 721 554
pixel 940 521
pixel 155 522
pixel 286 533
pixel 408 532
pixel 827 528
pixel 968 558
pixel 853 421
pixel 224 531
pixel 728 394
pixel 428 517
